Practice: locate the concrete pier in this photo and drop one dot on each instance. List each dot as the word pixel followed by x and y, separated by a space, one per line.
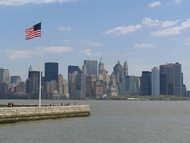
pixel 17 114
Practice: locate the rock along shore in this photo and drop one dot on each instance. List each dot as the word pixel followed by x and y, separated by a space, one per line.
pixel 17 114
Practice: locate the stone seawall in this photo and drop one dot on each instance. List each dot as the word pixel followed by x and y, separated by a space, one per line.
pixel 16 114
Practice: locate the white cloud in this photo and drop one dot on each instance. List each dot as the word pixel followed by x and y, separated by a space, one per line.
pixel 154 4
pixel 19 54
pixel 170 23
pixel 88 52
pixel 174 30
pixel 144 45
pixel 177 1
pixel 91 43
pixel 65 28
pixel 150 22
pixel 15 54
pixel 23 2
pixel 121 30
pixel 57 49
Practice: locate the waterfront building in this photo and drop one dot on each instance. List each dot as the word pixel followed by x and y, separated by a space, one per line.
pixel 51 71
pixel 173 79
pixel 91 67
pixel 4 75
pixel 146 83
pixel 49 89
pixel 80 86
pixel 132 85
pixel 155 84
pixel 90 86
pixel 99 89
pixel 4 81
pixel 112 88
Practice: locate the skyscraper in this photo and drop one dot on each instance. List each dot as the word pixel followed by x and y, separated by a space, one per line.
pixel 4 75
pixel 4 81
pixel 51 71
pixel 118 71
pixel 173 79
pixel 155 84
pixel 125 65
pixel 72 73
pixel 91 67
pixel 146 83
pixel 102 72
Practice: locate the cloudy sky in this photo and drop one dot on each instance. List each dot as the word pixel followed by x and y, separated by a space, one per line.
pixel 145 33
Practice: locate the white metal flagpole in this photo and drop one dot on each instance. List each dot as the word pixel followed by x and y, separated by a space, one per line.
pixel 40 88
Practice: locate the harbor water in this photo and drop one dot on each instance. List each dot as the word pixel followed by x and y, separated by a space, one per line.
pixel 110 122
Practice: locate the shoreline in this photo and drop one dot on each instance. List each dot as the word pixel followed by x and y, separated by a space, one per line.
pixel 18 114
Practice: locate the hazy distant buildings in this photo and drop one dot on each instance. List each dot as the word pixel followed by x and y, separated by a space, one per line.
pixel 155 83
pixel 16 80
pixel 93 81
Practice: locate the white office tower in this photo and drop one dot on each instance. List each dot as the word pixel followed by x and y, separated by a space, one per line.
pixel 155 77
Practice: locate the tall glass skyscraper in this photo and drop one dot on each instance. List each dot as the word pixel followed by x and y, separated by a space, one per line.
pixel 51 71
pixel 173 79
pixel 146 83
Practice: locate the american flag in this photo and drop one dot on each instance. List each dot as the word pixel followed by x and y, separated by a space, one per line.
pixel 33 32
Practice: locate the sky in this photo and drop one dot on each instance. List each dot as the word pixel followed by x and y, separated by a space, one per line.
pixel 145 33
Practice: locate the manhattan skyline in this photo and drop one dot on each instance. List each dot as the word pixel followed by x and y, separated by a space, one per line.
pixel 146 34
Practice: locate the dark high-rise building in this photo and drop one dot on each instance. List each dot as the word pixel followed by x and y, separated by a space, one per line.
pixel 173 82
pixel 146 83
pixel 162 84
pixel 51 71
pixel 91 67
pixel 72 69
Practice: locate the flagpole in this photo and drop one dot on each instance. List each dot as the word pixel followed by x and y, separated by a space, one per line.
pixel 40 88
